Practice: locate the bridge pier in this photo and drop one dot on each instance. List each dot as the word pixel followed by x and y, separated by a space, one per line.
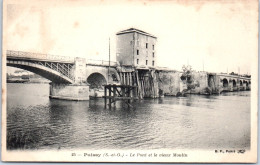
pixel 75 92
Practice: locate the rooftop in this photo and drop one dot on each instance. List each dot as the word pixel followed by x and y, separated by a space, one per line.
pixel 131 30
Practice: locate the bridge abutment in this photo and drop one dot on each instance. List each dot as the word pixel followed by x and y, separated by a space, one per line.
pixel 75 92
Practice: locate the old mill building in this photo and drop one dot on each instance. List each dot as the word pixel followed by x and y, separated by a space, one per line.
pixel 136 48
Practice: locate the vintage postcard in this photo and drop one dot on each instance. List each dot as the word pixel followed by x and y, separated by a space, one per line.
pixel 130 81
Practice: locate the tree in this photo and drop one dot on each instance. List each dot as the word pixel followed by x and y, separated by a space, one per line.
pixel 187 78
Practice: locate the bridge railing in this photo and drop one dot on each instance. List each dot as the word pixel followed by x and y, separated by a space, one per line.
pixel 40 56
pixel 101 62
pixel 234 76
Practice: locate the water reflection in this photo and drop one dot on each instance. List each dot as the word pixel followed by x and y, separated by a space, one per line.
pixel 205 122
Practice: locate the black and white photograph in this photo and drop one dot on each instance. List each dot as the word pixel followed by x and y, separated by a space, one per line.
pixel 130 81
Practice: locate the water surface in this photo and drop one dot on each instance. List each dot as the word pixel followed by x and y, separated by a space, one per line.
pixel 195 122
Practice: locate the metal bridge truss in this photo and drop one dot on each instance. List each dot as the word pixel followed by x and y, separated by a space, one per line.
pixel 65 69
pixel 63 65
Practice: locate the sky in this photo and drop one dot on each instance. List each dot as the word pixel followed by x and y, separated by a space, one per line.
pixel 219 35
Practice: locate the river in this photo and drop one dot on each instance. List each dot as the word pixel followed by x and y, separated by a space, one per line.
pixel 35 122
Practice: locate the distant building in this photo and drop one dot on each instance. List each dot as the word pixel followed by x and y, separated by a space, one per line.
pixel 137 48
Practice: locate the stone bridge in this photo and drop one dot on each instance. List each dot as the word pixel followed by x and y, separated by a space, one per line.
pixel 69 76
pixel 232 82
pixel 78 78
pixel 208 83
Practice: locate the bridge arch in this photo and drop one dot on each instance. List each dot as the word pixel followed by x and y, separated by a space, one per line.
pixel 241 83
pixel 234 83
pixel 114 76
pixel 41 70
pixel 225 82
pixel 96 80
pixel 247 84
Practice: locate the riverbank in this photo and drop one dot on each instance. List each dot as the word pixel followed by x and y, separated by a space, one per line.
pixel 31 80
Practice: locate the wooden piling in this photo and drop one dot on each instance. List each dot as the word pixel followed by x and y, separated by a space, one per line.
pixel 139 85
pixel 109 99
pixel 124 78
pixel 114 94
pixel 144 80
pixel 105 98
pixel 120 92
pixel 123 92
pixel 120 76
pixel 129 95
pixel 130 79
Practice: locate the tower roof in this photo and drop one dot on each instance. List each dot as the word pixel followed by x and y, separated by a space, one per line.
pixel 131 30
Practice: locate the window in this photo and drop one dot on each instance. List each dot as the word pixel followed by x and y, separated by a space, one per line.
pixel 153 63
pixel 146 45
pixel 146 62
pixel 153 47
pixel 137 61
pixel 137 52
pixel 153 54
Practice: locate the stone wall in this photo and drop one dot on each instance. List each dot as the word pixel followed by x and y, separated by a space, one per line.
pixel 201 78
pixel 69 91
pixel 169 82
pixel 80 70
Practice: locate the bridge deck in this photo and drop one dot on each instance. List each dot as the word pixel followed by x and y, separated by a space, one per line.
pixel 29 56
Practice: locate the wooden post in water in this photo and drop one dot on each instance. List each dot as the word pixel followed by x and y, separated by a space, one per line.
pixel 139 84
pixel 129 94
pixel 143 81
pixel 123 92
pixel 136 90
pixel 131 83
pixel 124 78
pixel 109 100
pixel 155 84
pixel 154 87
pixel 152 84
pixel 130 76
pixel 105 98
pixel 134 79
pixel 127 77
pixel 120 76
pixel 142 85
pixel 114 91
